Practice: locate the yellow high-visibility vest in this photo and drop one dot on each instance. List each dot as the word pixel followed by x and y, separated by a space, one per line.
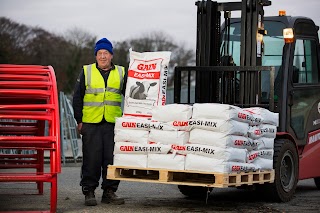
pixel 101 101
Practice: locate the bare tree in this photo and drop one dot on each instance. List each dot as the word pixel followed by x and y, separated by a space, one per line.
pixel 80 38
pixel 21 44
pixel 14 38
pixel 121 53
pixel 80 52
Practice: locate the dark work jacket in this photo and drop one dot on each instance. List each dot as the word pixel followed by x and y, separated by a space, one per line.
pixel 80 88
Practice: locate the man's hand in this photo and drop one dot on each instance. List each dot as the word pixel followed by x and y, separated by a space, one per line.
pixel 79 127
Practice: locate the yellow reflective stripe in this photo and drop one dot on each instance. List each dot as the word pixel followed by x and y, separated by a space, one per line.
pixel 120 70
pixel 112 103
pixel 94 91
pixel 89 75
pixel 109 89
pixel 114 90
pixel 91 90
pixel 96 104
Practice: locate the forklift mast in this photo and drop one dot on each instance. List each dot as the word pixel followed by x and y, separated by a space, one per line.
pixel 209 41
pixel 208 30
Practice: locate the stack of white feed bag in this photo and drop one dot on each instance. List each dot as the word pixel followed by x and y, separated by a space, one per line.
pixel 131 142
pixel 223 129
pixel 140 142
pixel 246 137
pixel 262 133
pixel 207 137
pixel 174 121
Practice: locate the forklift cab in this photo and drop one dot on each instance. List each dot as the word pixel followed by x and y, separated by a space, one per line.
pixel 272 50
pixel 296 65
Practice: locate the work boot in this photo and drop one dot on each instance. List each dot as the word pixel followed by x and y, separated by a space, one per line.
pixel 90 199
pixel 110 197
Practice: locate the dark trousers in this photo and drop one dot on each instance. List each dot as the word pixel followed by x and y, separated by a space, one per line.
pixel 97 152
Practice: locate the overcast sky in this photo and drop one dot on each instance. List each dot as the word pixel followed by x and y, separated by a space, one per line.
pixel 124 19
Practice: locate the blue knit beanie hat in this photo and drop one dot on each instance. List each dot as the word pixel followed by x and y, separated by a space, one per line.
pixel 103 44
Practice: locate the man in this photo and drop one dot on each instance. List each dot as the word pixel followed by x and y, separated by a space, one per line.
pixel 96 103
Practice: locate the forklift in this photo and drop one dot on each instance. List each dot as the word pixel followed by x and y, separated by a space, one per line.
pixel 258 61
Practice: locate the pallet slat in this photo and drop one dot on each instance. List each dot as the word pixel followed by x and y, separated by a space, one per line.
pixel 192 178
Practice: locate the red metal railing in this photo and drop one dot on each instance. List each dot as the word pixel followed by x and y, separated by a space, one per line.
pixel 29 103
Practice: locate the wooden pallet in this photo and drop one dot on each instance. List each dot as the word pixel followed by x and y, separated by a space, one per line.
pixel 192 178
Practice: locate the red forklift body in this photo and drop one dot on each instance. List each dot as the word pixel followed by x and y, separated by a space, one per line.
pixel 247 62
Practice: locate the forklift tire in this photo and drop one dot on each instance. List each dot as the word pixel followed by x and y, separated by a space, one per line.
pixel 194 191
pixel 317 182
pixel 286 166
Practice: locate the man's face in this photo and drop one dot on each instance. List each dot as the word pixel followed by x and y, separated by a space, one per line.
pixel 104 58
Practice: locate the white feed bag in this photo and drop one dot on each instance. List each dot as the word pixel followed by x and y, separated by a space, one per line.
pixel 262 130
pixel 230 127
pixel 266 115
pixel 263 164
pixel 221 111
pixel 130 160
pixel 264 143
pixel 170 126
pixel 146 83
pixel 228 154
pixel 172 112
pixel 130 135
pixel 136 148
pixel 217 139
pixel 132 123
pixel 169 161
pixel 168 137
pixel 266 154
pixel 206 164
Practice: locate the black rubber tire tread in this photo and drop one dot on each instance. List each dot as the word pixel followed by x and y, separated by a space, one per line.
pixel 194 191
pixel 275 191
pixel 317 182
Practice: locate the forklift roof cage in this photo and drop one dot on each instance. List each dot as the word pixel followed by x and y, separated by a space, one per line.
pixel 258 89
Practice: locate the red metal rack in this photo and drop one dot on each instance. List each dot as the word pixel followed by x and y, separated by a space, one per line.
pixel 29 104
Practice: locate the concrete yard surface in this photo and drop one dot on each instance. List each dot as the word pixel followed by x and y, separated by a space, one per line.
pixel 150 197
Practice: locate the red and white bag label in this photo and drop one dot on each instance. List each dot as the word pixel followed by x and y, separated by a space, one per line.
pixel 262 130
pixel 132 123
pixel 265 115
pixel 230 127
pixel 136 148
pixel 146 83
pixel 170 126
pixel 228 154
pixel 265 154
pixel 241 167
